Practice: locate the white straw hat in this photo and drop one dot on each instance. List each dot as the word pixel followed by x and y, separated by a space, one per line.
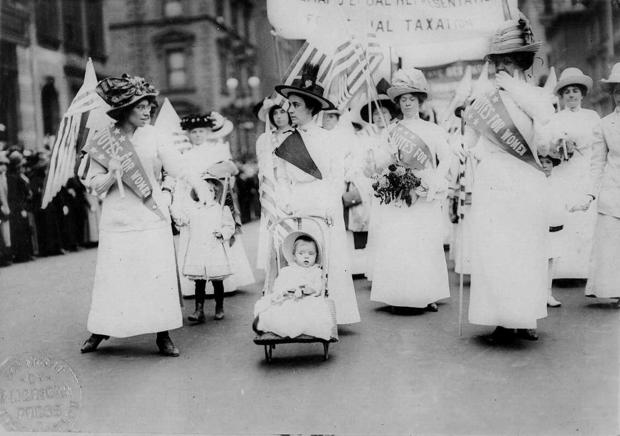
pixel 573 76
pixel 613 79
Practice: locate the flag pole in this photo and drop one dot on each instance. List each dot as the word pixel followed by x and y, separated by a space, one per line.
pixel 461 237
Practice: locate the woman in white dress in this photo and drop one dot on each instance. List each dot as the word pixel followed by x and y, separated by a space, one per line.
pixel 604 279
pixel 278 127
pixel 582 127
pixel 135 290
pixel 211 154
pixel 410 267
pixel 382 112
pixel 314 186
pixel 509 209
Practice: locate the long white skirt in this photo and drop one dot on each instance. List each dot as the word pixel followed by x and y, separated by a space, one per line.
pixel 410 265
pixel 509 244
pixel 578 234
pixel 135 290
pixel 240 265
pixel 604 279
pixel 373 232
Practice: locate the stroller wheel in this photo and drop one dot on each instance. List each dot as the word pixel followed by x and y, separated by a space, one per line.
pixel 325 350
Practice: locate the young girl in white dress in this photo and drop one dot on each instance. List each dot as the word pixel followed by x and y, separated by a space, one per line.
pixel 296 305
pixel 210 227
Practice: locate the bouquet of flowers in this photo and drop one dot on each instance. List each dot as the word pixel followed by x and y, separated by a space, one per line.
pixel 395 184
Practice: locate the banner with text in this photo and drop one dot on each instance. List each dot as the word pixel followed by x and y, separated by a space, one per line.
pixel 406 25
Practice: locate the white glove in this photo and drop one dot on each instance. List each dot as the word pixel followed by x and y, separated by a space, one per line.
pixel 581 203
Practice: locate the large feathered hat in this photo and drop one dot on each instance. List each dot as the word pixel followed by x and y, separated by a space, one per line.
pixel 514 36
pixel 121 92
pixel 217 125
pixel 613 79
pixel 306 84
pixel 409 81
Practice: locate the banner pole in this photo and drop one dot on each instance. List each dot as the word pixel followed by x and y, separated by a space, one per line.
pixel 461 237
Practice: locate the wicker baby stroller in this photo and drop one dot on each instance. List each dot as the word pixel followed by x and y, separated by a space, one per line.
pixel 269 340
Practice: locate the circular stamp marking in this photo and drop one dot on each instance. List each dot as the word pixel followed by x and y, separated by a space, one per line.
pixel 38 393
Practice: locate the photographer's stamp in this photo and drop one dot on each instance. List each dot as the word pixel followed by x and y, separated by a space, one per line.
pixel 38 392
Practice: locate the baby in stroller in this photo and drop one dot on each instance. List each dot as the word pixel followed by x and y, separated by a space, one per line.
pixel 296 306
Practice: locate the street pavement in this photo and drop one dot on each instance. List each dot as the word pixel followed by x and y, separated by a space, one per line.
pixel 404 373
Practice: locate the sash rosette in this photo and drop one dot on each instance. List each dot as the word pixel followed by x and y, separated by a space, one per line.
pixel 109 143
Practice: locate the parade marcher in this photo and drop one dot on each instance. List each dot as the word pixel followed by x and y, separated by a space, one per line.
pixel 509 211
pixel 378 114
pixel 19 201
pixel 604 281
pixel 135 290
pixel 581 127
pixel 410 267
pixel 5 211
pixel 211 226
pixel 278 123
pixel 209 154
pixel 313 184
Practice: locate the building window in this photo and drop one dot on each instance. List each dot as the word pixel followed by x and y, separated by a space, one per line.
pixel 94 29
pixel 51 108
pixel 173 8
pixel 219 8
pixel 46 17
pixel 176 62
pixel 72 26
pixel 234 16
pixel 9 93
pixel 247 20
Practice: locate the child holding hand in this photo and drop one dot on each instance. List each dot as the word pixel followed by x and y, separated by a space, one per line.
pixel 210 228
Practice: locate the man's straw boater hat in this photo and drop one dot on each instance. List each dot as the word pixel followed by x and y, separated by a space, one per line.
pixel 121 92
pixel 217 125
pixel 409 81
pixel 573 76
pixel 613 79
pixel 514 36
pixel 306 84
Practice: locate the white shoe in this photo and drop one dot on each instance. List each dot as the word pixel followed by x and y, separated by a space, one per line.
pixel 552 302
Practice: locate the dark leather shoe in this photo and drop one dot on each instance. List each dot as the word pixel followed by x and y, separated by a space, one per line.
pixel 166 347
pixel 500 335
pixel 219 313
pixel 528 334
pixel 432 307
pixel 92 343
pixel 198 317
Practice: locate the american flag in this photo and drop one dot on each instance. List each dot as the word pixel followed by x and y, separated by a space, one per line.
pixel 72 135
pixel 354 64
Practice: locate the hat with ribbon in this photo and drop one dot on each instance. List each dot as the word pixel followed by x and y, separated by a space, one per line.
pixel 306 84
pixel 217 126
pixel 514 36
pixel 613 79
pixel 382 101
pixel 573 76
pixel 122 92
pixel 16 159
pixel 409 81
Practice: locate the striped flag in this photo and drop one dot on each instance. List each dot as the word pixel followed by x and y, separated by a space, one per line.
pixel 72 135
pixel 354 64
